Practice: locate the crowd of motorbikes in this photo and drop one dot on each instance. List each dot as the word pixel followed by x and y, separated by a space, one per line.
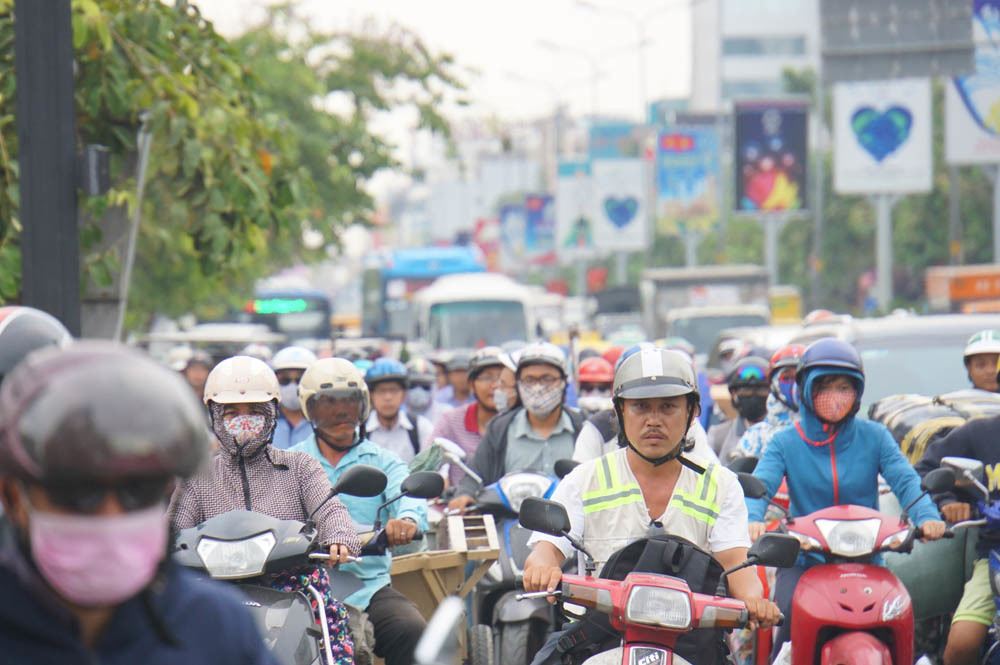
pixel 847 610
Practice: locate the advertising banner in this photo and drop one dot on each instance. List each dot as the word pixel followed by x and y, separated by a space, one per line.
pixel 574 211
pixel 771 156
pixel 620 198
pixel 972 103
pixel 539 228
pixel 513 225
pixel 882 136
pixel 615 140
pixel 687 179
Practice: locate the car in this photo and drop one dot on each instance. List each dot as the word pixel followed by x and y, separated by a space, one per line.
pixel 906 353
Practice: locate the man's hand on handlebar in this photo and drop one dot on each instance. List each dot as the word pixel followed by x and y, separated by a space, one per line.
pixel 541 569
pixel 763 613
pixel 958 511
pixel 400 532
pixel 933 529
pixel 756 530
pixel 460 503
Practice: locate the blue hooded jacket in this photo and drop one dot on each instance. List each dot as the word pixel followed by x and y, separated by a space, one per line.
pixel 827 466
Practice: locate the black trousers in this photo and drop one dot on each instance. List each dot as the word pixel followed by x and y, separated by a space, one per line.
pixel 785 582
pixel 398 625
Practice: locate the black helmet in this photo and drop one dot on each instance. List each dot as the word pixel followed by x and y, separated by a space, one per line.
pixel 749 371
pixel 829 352
pixel 98 412
pixel 24 329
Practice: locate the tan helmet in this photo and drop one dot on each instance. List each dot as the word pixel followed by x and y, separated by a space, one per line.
pixel 333 374
pixel 652 371
pixel 241 380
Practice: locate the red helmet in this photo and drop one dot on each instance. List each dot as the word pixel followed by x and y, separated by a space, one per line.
pixel 613 354
pixel 596 370
pixel 786 356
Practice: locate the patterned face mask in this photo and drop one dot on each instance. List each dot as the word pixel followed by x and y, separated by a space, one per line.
pixel 245 428
pixel 832 406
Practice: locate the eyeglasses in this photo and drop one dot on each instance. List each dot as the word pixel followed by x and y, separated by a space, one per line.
pixel 535 381
pixel 133 494
pixel 488 379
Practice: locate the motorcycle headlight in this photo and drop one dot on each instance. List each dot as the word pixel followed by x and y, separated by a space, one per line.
pixel 234 559
pixel 850 538
pixel 655 606
pixel 519 486
pixel 895 540
pixel 806 542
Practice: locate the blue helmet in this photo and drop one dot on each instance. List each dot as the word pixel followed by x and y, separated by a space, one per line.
pixel 831 353
pixel 386 369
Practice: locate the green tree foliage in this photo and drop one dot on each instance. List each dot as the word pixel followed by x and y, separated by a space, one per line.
pixel 244 156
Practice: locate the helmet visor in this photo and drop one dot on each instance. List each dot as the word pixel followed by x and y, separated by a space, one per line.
pixel 331 408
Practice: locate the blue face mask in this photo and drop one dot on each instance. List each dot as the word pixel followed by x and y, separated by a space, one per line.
pixel 787 391
pixel 418 398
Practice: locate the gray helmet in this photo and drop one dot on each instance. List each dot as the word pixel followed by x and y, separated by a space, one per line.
pixel 543 353
pixel 654 372
pixel 488 356
pixel 459 361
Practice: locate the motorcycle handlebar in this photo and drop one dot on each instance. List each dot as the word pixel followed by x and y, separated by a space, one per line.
pixel 325 556
pixel 537 594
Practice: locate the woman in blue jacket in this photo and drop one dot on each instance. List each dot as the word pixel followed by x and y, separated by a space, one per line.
pixel 830 457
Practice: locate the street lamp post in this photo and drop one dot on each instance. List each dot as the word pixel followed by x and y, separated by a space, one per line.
pixel 592 60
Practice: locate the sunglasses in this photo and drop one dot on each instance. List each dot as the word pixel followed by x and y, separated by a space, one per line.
pixel 134 494
pixel 285 380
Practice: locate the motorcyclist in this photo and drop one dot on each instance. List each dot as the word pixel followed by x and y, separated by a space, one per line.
pixel 830 457
pixel 247 473
pixel 748 387
pixel 421 378
pixel 650 481
pixel 388 425
pixel 458 380
pixel 975 440
pixel 465 425
pixel 599 435
pixel 782 403
pixel 531 436
pixel 289 364
pixel 981 354
pixel 335 399
pixel 93 438
pixel 595 375
pixel 196 370
pixel 258 351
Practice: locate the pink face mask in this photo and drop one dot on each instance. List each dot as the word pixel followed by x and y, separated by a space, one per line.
pixel 245 428
pixel 98 560
pixel 832 406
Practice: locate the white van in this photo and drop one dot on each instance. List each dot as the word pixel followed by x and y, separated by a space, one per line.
pixel 470 310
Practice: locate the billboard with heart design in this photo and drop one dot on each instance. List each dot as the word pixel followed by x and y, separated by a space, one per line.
pixel 882 137
pixel 972 103
pixel 620 191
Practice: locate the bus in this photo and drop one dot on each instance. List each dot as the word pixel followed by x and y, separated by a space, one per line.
pixel 297 313
pixel 475 310
pixel 392 277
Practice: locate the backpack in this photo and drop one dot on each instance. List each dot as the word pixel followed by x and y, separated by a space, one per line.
pixel 664 554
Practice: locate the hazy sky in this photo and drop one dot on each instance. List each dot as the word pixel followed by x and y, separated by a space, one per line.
pixel 517 78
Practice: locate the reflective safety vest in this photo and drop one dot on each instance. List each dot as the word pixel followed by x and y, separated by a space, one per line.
pixel 615 513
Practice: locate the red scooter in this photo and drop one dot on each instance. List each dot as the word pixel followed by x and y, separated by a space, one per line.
pixel 650 611
pixel 849 610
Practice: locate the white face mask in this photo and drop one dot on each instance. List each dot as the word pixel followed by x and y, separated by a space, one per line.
pixel 290 396
pixel 418 398
pixel 501 400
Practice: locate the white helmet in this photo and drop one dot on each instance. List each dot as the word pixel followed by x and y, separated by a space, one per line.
pixel 241 380
pixel 652 371
pixel 333 375
pixel 293 357
pixel 984 341
pixel 545 353
pixel 257 350
pixel 178 358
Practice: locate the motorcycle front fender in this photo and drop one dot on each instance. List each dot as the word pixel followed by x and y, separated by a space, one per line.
pixel 509 610
pixel 286 622
pixel 856 648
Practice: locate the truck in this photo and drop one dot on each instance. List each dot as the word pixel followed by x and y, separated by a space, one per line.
pixel 696 303
pixel 963 289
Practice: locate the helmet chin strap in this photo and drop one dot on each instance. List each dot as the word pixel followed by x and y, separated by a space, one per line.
pixel 675 454
pixel 358 438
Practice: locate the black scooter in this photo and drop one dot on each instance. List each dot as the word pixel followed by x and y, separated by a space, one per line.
pixel 243 546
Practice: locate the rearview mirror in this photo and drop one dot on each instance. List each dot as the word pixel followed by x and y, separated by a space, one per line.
pixel 775 549
pixel 545 516
pixel 423 485
pixel 743 464
pixel 962 466
pixel 939 480
pixel 562 467
pixel 438 643
pixel 449 447
pixel 753 487
pixel 361 480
